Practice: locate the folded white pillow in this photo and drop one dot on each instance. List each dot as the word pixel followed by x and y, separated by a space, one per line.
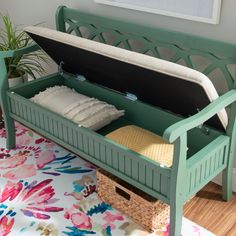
pixel 86 111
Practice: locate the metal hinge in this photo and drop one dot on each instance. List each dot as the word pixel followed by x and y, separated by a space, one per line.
pixel 60 70
pixel 203 128
pixel 80 78
pixel 131 97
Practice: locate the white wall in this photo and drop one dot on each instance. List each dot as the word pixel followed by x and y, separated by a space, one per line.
pixel 30 12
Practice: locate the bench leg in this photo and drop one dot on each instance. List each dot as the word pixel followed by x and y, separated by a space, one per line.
pixel 10 132
pixel 9 122
pixel 176 217
pixel 9 125
pixel 227 175
pixel 227 182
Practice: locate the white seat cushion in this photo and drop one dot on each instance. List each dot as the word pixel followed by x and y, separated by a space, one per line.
pixel 162 66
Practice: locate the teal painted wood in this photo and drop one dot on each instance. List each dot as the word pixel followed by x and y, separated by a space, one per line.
pixel 177 191
pixel 231 132
pixel 4 86
pixel 19 52
pixel 179 128
pixel 206 164
pixel 9 122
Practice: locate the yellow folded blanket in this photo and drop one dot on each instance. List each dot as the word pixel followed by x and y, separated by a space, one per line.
pixel 144 142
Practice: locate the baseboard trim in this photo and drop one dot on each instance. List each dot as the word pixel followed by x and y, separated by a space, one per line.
pixel 218 179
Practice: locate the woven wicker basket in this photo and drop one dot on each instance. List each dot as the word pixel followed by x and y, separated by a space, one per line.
pixel 150 213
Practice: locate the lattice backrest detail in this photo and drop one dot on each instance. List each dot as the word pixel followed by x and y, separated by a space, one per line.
pixel 205 61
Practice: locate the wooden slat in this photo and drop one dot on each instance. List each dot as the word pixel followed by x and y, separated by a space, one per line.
pixel 164 187
pixel 13 106
pixel 33 118
pixel 142 172
pixel 37 113
pixel 46 124
pixel 70 136
pixel 122 163
pixel 80 141
pixel 85 144
pixel 60 130
pixel 156 181
pixel 55 129
pixel 135 169
pixel 109 156
pixel 29 114
pixel 128 166
pixel 103 153
pixel 97 154
pixel 24 109
pixel 50 120
pixel 65 133
pixel 149 175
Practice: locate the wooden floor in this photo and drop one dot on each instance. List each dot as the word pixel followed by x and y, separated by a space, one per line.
pixel 210 211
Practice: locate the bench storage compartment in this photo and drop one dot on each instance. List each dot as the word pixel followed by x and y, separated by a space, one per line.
pixel 93 146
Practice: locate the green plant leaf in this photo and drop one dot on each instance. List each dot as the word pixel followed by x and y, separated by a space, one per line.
pixel 12 38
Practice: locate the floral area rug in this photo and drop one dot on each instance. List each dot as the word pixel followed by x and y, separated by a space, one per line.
pixel 47 191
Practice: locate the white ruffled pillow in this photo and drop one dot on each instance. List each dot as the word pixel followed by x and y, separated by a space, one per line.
pixel 88 112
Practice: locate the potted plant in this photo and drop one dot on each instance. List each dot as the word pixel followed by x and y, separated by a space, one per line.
pixel 19 67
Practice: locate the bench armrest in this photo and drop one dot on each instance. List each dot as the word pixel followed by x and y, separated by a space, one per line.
pixel 14 53
pixel 176 130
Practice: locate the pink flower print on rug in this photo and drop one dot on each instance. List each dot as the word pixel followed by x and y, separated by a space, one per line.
pixel 19 129
pixel 44 158
pixel 110 219
pixel 13 161
pixel 81 220
pixel 6 225
pixel 23 171
pixel 34 197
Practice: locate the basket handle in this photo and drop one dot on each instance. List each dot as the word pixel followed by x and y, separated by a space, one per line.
pixel 122 193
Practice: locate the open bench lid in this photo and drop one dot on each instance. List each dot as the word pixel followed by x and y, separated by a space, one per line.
pixel 164 84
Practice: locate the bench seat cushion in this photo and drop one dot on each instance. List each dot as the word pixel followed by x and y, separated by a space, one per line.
pixel 161 83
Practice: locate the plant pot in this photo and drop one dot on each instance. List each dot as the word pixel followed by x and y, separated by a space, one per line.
pixel 17 80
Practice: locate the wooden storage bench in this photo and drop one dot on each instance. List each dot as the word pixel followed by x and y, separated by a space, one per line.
pixel 153 93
